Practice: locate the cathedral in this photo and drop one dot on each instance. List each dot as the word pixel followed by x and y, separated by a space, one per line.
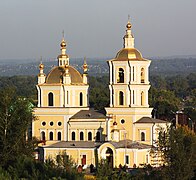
pixel 65 122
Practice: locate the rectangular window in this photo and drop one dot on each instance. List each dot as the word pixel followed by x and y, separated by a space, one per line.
pixel 127 159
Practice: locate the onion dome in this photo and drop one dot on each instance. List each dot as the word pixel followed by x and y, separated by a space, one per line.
pixel 54 76
pixel 129 53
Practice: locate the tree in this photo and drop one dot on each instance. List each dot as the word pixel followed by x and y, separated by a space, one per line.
pixel 178 147
pixel 15 118
pixel 99 92
pixel 165 102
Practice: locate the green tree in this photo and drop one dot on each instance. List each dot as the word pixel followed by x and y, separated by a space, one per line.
pixel 165 102
pixel 4 174
pixel 99 92
pixel 15 118
pixel 178 147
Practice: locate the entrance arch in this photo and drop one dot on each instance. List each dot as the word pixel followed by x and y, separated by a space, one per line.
pixel 107 151
pixel 109 157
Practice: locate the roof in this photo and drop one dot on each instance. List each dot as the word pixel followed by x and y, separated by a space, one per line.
pixel 129 54
pixel 55 75
pixel 150 120
pixel 129 144
pixel 88 114
pixel 75 144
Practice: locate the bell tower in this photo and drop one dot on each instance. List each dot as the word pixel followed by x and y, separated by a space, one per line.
pixel 129 85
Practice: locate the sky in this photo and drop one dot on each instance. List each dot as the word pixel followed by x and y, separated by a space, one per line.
pixel 30 29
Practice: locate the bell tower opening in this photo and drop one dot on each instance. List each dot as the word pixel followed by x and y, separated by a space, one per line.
pixel 120 75
pixel 142 75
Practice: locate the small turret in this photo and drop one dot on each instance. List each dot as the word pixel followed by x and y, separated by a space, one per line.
pixel 63 58
pixel 41 75
pixel 128 38
pixel 115 134
pixel 66 75
pixel 85 74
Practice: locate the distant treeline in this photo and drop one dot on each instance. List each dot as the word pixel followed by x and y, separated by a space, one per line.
pixel 99 67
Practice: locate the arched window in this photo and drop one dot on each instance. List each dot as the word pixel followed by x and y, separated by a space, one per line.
pixel 90 136
pixel 81 99
pixel 98 136
pixel 59 136
pixel 142 75
pixel 73 136
pixel 142 98
pixel 50 99
pixel 143 136
pixel 43 136
pixel 81 136
pixel 121 98
pixel 120 75
pixel 51 136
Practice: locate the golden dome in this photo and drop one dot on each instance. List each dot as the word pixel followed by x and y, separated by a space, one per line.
pixel 129 54
pixel 55 75
pixel 41 66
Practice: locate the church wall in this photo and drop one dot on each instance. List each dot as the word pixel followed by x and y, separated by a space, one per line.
pixel 120 157
pixel 86 127
pixel 70 97
pixel 75 155
pixel 58 126
pixel 136 157
pixel 125 125
pixel 143 157
pixel 147 131
pixel 129 115
pixel 56 94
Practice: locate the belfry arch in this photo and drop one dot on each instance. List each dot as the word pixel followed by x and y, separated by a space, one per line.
pixel 142 76
pixel 120 75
